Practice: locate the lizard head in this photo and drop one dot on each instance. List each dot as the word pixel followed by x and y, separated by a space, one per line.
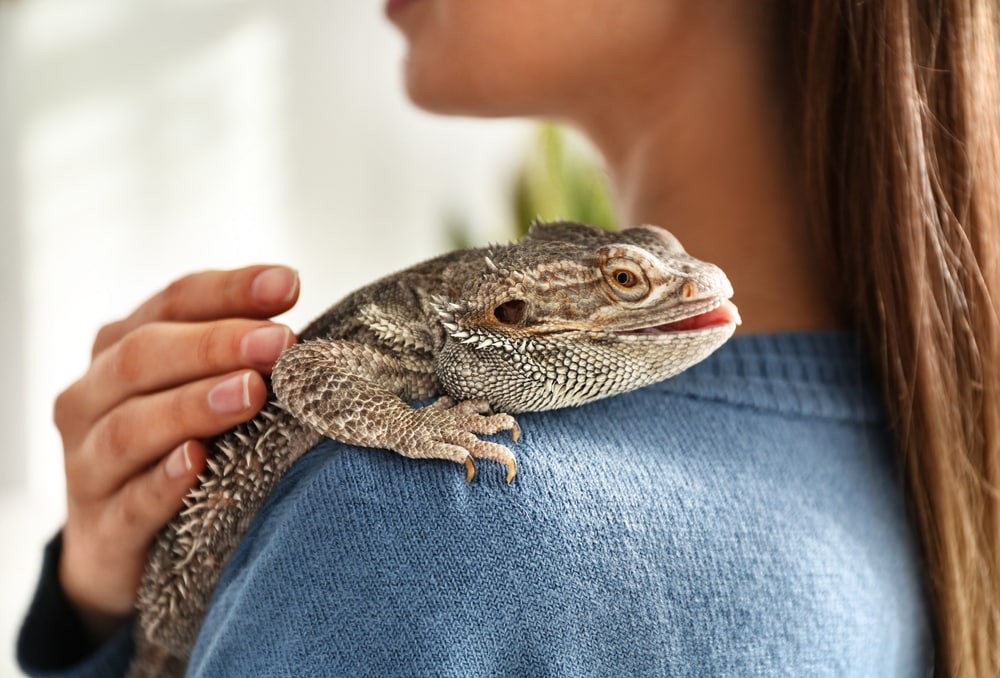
pixel 574 307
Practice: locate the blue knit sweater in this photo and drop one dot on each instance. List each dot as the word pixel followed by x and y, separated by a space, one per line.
pixel 741 519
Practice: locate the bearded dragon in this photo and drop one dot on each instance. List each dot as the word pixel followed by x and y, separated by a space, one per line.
pixel 570 314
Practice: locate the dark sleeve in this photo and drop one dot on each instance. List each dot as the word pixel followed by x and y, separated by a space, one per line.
pixel 54 641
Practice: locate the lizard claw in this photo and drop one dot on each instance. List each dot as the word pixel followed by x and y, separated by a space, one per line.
pixel 470 469
pixel 448 430
pixel 511 469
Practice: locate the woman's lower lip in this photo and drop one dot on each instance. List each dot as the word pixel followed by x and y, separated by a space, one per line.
pixel 394 7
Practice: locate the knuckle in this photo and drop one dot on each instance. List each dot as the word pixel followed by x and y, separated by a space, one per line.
pixel 144 502
pixel 236 286
pixel 71 416
pixel 180 412
pixel 128 360
pixel 131 509
pixel 113 435
pixel 77 493
pixel 213 350
pixel 174 298
pixel 105 337
pixel 64 409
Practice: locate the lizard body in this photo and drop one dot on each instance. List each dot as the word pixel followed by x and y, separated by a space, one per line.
pixel 568 315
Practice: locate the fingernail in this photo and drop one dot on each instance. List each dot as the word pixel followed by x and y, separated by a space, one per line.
pixel 275 286
pixel 179 463
pixel 232 395
pixel 262 346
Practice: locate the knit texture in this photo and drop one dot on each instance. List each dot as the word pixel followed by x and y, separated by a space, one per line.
pixel 741 519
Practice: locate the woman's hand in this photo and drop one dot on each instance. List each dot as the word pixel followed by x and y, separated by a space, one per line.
pixel 185 366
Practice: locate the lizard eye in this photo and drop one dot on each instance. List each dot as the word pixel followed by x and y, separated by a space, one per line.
pixel 510 312
pixel 626 278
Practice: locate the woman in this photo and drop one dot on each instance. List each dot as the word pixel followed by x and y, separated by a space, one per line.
pixel 841 162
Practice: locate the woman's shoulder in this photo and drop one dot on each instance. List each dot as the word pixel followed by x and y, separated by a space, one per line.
pixel 743 516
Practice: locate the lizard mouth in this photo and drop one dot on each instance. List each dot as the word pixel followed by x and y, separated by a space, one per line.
pixel 725 313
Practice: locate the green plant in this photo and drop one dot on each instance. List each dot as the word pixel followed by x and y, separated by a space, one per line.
pixel 560 182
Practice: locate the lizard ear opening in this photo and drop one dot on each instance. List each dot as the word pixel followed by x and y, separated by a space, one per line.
pixel 510 312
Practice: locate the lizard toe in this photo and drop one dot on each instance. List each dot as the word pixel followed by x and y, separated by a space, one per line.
pixel 442 403
pixel 462 408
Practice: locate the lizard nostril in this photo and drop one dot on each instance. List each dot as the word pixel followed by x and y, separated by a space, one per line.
pixel 688 290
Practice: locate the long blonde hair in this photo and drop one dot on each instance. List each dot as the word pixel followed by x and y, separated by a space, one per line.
pixel 899 134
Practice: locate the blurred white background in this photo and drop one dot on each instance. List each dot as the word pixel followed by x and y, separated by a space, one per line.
pixel 142 139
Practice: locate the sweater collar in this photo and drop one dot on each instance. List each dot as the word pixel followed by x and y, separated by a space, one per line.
pixel 814 374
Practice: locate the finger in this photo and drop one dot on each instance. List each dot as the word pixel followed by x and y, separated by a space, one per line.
pixel 253 292
pixel 105 544
pixel 158 356
pixel 142 429
pixel 146 502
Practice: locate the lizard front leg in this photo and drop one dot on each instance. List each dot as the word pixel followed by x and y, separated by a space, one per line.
pixel 358 394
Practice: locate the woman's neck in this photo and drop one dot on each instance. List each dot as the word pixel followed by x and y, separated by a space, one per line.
pixel 712 165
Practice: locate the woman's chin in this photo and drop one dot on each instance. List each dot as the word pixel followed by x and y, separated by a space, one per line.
pixel 447 99
pixel 461 95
